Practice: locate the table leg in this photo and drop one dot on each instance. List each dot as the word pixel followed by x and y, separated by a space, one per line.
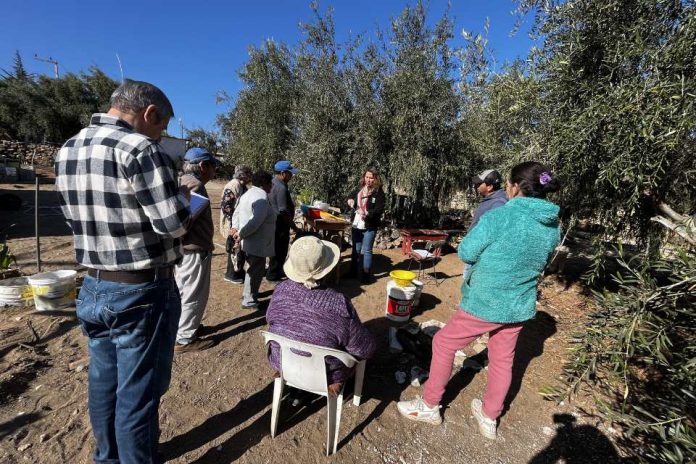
pixel 338 237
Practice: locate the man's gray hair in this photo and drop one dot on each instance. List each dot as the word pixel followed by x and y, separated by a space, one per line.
pixel 133 96
pixel 191 168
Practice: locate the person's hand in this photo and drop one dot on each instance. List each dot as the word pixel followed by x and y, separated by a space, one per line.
pixel 351 202
pixel 233 232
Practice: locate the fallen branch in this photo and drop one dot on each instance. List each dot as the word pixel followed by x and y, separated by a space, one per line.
pixel 679 229
pixel 33 332
pixel 687 221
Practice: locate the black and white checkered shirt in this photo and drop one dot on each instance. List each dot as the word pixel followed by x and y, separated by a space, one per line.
pixel 119 192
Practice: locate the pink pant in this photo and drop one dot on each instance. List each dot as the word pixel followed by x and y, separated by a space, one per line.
pixel 462 329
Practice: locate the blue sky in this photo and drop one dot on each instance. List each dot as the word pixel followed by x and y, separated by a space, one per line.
pixel 193 50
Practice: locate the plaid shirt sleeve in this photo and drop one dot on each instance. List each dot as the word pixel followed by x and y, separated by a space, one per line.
pixel 154 182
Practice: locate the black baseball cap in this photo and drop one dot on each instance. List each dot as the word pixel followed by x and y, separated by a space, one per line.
pixel 489 176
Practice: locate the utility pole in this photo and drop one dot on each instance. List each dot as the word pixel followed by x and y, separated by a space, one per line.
pixel 181 126
pixel 48 60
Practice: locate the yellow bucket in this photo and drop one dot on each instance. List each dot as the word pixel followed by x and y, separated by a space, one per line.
pixel 402 278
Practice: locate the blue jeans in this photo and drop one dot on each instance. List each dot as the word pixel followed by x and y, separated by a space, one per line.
pixel 363 239
pixel 131 330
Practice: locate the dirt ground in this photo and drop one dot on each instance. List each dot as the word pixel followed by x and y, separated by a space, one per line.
pixel 218 407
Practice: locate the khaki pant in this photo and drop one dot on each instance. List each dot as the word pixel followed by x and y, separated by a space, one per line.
pixel 252 281
pixel 193 279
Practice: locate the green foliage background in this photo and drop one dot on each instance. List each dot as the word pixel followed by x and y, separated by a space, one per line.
pixel 43 109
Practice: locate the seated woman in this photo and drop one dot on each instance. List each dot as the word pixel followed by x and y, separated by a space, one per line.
pixel 304 310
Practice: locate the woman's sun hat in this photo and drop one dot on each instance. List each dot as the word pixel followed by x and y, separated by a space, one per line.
pixel 310 259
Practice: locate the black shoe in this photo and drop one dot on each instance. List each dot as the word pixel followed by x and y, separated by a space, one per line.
pixel 234 279
pixel 298 398
pixel 366 278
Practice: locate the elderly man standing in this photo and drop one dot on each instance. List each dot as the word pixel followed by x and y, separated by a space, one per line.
pixel 193 272
pixel 231 194
pixel 282 202
pixel 253 225
pixel 119 193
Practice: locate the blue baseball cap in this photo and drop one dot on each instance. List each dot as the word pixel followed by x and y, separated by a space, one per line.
pixel 198 155
pixel 285 165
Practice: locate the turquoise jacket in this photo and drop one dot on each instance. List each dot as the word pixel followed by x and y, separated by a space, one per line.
pixel 508 250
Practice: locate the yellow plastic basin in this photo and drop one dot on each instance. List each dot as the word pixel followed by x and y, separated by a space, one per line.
pixel 402 278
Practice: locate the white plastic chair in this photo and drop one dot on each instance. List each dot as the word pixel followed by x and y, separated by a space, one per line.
pixel 308 373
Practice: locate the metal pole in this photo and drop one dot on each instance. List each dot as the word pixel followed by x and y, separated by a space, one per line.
pixel 36 225
pixel 48 60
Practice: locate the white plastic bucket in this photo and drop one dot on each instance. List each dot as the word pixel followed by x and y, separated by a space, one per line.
pixel 15 292
pixel 399 302
pixel 53 290
pixel 419 290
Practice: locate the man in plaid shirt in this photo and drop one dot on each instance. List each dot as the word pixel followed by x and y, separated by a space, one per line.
pixel 119 192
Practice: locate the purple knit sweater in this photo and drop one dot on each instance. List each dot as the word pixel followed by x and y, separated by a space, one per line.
pixel 320 316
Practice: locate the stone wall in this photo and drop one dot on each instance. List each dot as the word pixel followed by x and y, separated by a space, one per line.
pixel 43 153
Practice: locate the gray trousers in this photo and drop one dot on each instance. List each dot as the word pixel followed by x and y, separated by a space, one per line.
pixel 193 279
pixel 252 280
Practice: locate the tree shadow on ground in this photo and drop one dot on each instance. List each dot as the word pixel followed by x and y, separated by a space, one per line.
pixel 239 443
pixel 256 319
pixel 244 439
pixel 9 427
pixel 530 345
pixel 379 383
pixel 217 425
pixel 577 444
pixel 461 380
pixel 63 326
pixel 351 286
pixel 69 321
pixel 427 302
pixel 212 329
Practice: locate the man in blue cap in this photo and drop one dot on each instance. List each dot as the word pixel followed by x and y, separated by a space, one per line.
pixel 282 202
pixel 193 272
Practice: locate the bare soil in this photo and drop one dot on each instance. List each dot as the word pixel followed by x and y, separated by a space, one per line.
pixel 218 407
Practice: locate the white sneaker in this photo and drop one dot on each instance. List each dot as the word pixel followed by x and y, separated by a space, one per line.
pixel 417 410
pixel 487 427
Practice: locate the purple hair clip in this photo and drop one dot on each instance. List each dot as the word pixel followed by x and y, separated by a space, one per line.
pixel 544 178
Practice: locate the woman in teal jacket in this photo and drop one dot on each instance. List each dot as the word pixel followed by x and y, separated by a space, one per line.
pixel 508 251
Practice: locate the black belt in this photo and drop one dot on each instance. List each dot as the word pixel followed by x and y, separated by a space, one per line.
pixel 140 276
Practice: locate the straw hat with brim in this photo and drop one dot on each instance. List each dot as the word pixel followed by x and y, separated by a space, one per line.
pixel 310 259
